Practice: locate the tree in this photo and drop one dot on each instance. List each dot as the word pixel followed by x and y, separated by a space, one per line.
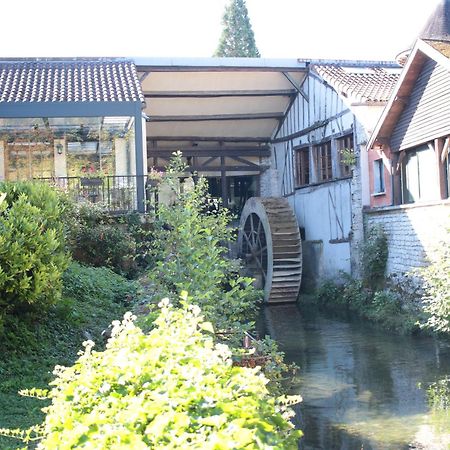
pixel 238 39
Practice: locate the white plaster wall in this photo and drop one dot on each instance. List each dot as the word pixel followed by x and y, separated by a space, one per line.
pixel 325 213
pixel 413 232
pixel 368 116
pixel 313 205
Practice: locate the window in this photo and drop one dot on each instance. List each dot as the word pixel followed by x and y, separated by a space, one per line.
pixel 419 176
pixel 346 154
pixel 446 163
pixel 323 161
pixel 27 160
pixel 302 167
pixel 67 147
pixel 378 176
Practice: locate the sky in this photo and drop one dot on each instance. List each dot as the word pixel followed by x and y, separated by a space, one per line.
pixel 312 29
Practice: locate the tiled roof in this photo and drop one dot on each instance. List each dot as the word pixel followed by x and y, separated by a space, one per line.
pixel 437 27
pixel 436 32
pixel 361 84
pixel 69 81
pixel 443 47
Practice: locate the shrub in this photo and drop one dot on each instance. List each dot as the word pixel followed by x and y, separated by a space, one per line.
pixel 329 293
pixel 436 286
pixel 384 307
pixel 438 394
pixel 374 257
pixel 173 388
pixel 190 256
pixel 32 250
pixel 98 239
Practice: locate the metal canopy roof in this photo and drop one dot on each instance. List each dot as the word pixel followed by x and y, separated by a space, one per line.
pixel 211 101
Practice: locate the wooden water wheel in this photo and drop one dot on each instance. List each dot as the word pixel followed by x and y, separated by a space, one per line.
pixel 270 245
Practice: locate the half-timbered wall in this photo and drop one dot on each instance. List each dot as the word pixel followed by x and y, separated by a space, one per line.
pixel 326 210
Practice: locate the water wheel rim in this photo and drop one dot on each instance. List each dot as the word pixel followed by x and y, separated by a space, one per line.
pixel 262 230
pixel 253 205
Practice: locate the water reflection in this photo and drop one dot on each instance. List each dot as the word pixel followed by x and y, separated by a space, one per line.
pixel 360 385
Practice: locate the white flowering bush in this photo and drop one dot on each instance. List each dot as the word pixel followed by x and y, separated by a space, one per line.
pixel 173 388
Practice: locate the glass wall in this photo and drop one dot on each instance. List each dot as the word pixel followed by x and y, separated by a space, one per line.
pixel 67 147
pixel 93 158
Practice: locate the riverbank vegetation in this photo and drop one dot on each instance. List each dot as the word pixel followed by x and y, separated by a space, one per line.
pixel 49 305
pixel 33 345
pixel 151 366
pixel 416 302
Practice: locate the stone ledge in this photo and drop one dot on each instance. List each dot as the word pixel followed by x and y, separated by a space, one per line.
pixel 394 208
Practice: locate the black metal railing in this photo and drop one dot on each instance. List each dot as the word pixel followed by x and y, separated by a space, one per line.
pixel 118 193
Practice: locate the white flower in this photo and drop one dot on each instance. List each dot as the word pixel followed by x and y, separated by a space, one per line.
pixel 105 387
pixel 164 303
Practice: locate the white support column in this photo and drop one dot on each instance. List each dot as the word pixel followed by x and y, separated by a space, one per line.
pixel 132 156
pixel 2 160
pixel 144 145
pixel 120 148
pixel 60 158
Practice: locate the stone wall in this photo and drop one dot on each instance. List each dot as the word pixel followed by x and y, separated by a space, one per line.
pixel 413 232
pixel 269 186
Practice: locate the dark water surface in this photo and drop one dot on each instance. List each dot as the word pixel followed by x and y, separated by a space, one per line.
pixel 360 385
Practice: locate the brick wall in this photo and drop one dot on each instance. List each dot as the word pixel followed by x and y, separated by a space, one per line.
pixel 413 232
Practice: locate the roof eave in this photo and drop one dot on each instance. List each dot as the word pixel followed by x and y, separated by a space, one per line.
pixel 219 64
pixel 403 89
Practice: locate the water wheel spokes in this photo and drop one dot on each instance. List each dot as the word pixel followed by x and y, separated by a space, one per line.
pixel 255 249
pixel 270 246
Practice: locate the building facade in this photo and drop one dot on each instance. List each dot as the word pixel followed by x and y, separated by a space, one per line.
pixel 319 154
pixel 77 124
pixel 409 153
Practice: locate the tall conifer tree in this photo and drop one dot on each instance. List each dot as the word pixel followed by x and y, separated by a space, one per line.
pixel 237 38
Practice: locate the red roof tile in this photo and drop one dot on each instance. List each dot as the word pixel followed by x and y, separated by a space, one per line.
pixel 361 84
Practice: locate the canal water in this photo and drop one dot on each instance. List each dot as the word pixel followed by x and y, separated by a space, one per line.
pixel 362 388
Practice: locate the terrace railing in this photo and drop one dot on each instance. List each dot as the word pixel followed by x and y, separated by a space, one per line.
pixel 116 192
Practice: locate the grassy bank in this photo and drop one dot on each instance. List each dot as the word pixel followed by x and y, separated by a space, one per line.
pixel 92 298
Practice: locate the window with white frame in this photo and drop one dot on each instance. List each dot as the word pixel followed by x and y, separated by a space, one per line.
pixel 419 176
pixel 378 177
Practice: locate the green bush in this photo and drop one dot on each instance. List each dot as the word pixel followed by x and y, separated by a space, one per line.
pixel 98 239
pixel 171 389
pixel 438 394
pixel 436 285
pixel 329 293
pixel 32 249
pixel 190 256
pixel 374 257
pixel 384 307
